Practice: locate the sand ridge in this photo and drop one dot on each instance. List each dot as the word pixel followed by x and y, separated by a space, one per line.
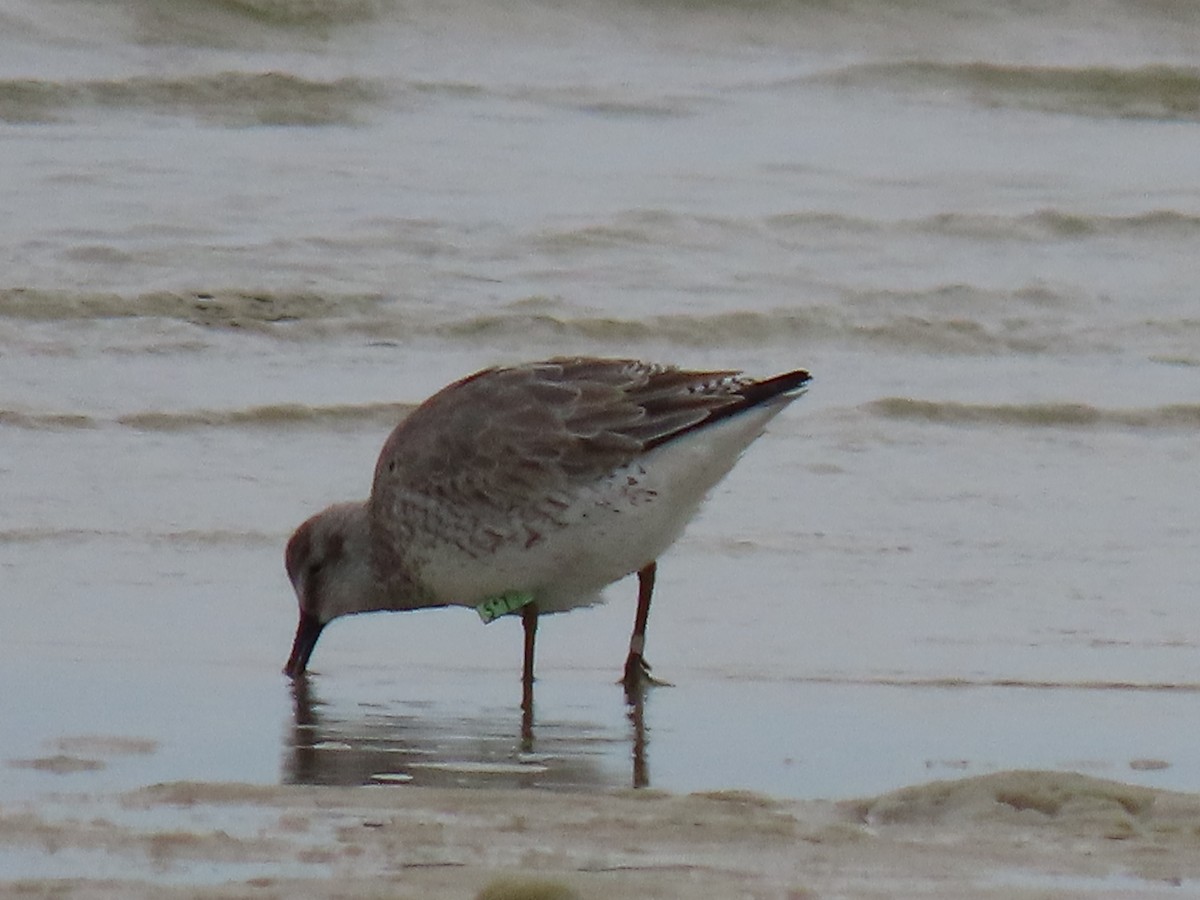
pixel 1008 834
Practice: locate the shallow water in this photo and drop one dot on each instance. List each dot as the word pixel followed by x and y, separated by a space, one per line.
pixel 244 238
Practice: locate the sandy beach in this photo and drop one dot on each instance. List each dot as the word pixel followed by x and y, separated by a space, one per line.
pixel 243 237
pixel 1018 834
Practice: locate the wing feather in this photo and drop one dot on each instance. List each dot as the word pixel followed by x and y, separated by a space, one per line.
pixel 507 444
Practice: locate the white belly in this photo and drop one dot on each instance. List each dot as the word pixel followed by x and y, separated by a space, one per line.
pixel 607 530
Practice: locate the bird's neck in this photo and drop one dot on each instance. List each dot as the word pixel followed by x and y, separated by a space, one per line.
pixel 355 588
pixel 367 579
pixel 371 580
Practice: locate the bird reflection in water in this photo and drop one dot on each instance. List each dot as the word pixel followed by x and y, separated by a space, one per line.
pixel 401 741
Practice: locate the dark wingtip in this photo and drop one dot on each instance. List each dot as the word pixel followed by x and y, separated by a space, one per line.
pixel 787 383
pixel 748 395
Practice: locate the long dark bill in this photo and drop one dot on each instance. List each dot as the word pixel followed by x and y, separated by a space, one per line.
pixel 307 632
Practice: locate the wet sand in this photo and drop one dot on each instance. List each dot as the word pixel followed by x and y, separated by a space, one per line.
pixel 1010 834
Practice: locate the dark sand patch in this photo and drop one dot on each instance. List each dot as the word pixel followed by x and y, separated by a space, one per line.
pixel 59 764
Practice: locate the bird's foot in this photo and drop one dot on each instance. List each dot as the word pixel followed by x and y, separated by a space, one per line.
pixel 637 678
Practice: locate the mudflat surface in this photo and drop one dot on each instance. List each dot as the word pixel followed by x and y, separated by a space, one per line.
pixel 1010 834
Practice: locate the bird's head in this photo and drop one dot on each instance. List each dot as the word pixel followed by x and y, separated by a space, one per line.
pixel 329 563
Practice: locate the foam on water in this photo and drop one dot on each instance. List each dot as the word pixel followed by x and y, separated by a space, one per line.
pixel 227 98
pixel 1161 92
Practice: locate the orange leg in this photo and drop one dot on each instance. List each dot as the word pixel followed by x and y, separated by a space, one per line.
pixel 637 670
pixel 529 617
